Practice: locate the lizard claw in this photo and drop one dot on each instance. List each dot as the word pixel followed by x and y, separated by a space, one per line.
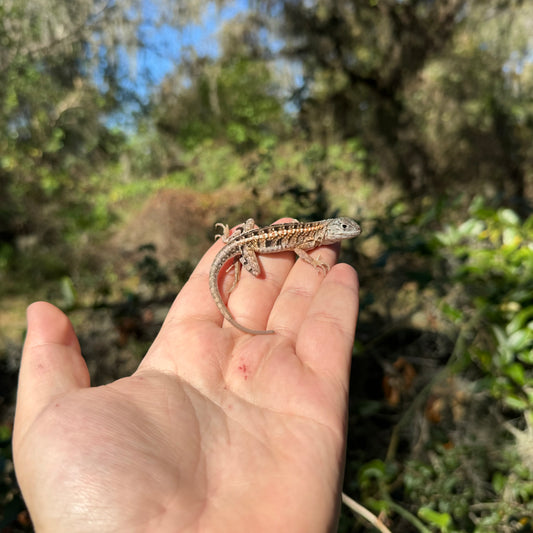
pixel 225 232
pixel 320 265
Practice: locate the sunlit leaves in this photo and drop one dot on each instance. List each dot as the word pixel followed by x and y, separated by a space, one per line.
pixel 491 257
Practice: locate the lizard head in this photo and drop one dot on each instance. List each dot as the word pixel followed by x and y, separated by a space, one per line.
pixel 339 229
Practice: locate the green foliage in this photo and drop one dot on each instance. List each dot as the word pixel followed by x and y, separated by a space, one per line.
pixel 449 496
pixel 440 520
pixel 434 96
pixel 482 282
pixel 247 98
pixel 435 90
pixel 443 486
pixel 231 100
pixel 52 145
pixel 490 256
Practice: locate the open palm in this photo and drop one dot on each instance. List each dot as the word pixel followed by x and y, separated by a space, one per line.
pixel 217 430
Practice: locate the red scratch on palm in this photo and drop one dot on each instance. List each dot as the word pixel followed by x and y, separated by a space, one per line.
pixel 243 369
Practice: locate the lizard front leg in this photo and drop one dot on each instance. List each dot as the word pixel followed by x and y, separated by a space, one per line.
pixel 320 266
pixel 249 261
pixel 237 266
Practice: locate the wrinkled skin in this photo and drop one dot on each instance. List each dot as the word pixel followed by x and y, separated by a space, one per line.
pixel 216 431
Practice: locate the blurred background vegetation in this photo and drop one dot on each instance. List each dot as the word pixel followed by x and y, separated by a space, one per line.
pixel 124 138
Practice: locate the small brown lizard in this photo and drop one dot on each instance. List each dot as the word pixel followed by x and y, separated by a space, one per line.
pixel 247 241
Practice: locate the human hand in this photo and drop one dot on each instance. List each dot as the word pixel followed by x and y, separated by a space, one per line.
pixel 217 430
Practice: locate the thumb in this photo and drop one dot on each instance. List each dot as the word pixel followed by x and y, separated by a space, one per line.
pixel 51 363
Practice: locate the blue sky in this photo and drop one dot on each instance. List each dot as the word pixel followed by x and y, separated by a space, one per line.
pixel 165 43
pixel 162 52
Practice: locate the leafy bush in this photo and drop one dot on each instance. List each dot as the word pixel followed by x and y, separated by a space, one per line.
pixel 464 472
pixel 490 259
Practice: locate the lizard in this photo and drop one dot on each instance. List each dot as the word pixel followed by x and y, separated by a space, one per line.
pixel 246 241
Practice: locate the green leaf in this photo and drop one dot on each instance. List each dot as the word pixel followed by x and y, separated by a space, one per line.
pixel 511 238
pixel 516 372
pixel 68 292
pixel 441 520
pixel 519 339
pixel 520 319
pixel 515 402
pixel 498 481
pixel 374 468
pixel 508 216
pixel 526 357
pixel 452 312
pixel 5 433
pixel 471 227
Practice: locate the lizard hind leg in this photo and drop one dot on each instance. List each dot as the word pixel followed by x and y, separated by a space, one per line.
pixel 225 235
pixel 237 266
pixel 225 232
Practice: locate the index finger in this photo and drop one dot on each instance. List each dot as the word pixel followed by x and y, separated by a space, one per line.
pixel 194 301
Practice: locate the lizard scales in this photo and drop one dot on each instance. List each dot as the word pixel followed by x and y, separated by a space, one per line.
pixel 247 241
